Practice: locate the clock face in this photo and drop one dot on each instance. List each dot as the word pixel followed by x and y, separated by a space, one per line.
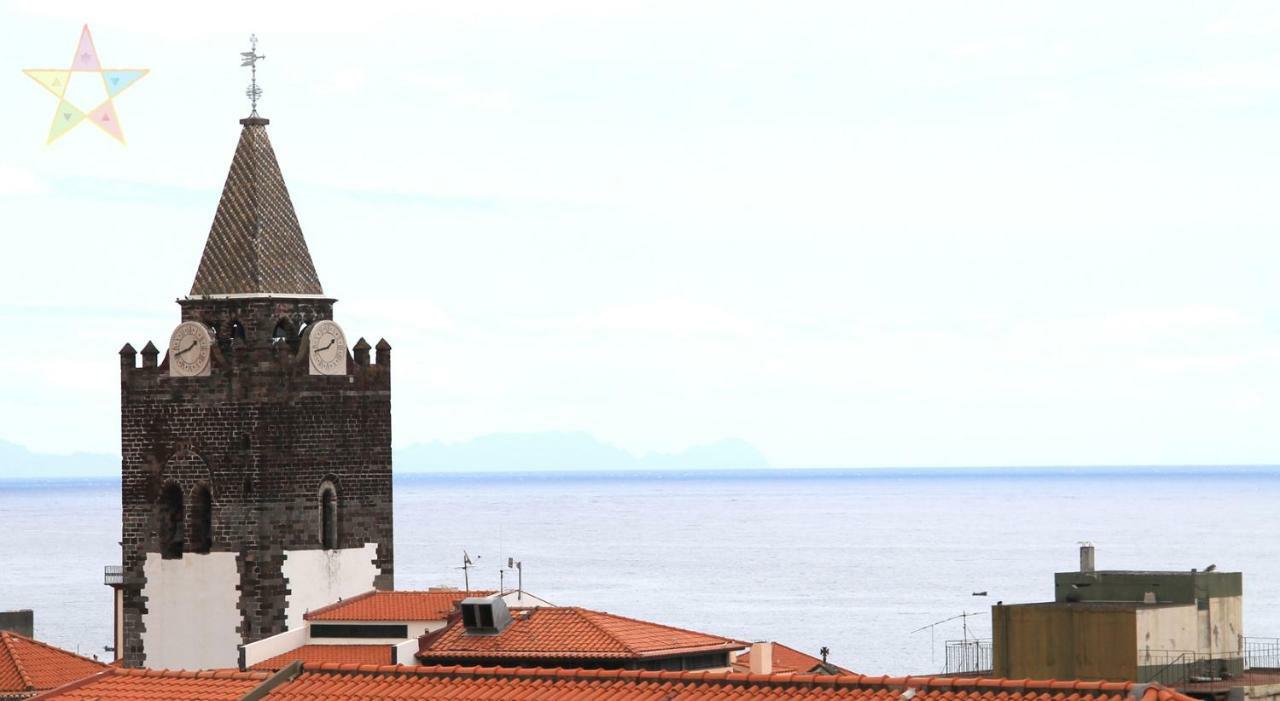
pixel 189 350
pixel 328 349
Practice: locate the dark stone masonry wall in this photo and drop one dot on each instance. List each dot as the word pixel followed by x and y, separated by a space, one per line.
pixel 263 435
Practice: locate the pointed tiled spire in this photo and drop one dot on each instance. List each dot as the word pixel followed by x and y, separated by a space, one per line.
pixel 255 245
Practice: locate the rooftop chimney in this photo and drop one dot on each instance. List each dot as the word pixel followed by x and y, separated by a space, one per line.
pixel 1086 557
pixel 486 615
pixel 762 658
pixel 21 622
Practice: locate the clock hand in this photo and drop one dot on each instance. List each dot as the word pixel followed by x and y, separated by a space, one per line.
pixel 184 350
pixel 331 342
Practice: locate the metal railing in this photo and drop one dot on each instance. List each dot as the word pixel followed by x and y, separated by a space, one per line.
pixel 113 575
pixel 1177 667
pixel 968 656
pixel 1261 653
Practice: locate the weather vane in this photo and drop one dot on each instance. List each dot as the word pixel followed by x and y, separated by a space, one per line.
pixel 250 58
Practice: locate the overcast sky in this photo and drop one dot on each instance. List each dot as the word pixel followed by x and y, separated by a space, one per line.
pixel 853 234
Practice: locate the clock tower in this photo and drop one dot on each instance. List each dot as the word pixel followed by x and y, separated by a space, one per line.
pixel 256 449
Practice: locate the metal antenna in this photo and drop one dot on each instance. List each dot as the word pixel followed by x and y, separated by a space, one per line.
pixel 964 622
pixel 466 565
pixel 518 566
pixel 250 58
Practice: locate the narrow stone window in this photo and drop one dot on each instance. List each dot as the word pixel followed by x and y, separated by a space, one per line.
pixel 201 519
pixel 328 517
pixel 170 514
pixel 237 330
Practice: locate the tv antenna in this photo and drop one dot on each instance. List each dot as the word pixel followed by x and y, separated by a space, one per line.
pixel 964 617
pixel 466 566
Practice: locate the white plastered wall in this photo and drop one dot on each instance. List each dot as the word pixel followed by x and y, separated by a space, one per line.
pixel 191 616
pixel 1226 624
pixel 1167 628
pixel 317 578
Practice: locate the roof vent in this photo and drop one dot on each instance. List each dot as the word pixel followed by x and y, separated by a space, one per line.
pixel 485 615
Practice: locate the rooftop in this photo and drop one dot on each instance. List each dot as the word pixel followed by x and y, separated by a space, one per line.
pixel 1100 605
pixel 787 659
pixel 120 684
pixel 341 654
pixel 374 682
pixel 394 606
pixel 28 665
pixel 571 632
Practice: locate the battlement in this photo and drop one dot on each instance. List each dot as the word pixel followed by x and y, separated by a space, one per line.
pixel 284 359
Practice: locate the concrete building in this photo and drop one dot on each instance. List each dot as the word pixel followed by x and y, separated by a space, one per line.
pixel 1116 625
pixel 256 449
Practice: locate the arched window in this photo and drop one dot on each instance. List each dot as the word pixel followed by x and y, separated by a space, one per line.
pixel 282 331
pixel 201 519
pixel 170 515
pixel 237 330
pixel 328 516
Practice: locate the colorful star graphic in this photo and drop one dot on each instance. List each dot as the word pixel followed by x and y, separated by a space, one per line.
pixel 83 65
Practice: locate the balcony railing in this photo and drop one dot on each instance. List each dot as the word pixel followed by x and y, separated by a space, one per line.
pixel 113 575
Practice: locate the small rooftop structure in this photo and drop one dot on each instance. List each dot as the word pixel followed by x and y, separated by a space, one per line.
pixel 381 627
pixel 1139 625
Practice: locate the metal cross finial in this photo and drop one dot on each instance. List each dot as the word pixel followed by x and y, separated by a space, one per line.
pixel 250 58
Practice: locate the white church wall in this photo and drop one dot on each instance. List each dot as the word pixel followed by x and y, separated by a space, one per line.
pixel 317 578
pixel 191 616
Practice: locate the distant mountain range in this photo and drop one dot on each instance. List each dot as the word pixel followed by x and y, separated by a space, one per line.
pixel 498 452
pixel 18 462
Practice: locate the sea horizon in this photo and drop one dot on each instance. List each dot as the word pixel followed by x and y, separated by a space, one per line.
pixel 1029 471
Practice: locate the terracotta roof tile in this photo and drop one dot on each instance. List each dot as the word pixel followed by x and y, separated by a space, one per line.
pixel 352 654
pixel 370 682
pixel 374 683
pixel 787 659
pixel 572 633
pixel 117 684
pixel 394 606
pixel 30 665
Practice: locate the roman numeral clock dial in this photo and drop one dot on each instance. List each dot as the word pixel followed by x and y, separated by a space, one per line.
pixel 189 350
pixel 328 349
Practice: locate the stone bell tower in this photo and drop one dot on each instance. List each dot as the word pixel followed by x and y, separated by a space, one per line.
pixel 256 471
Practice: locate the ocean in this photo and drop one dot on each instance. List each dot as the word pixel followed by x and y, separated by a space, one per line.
pixel 856 560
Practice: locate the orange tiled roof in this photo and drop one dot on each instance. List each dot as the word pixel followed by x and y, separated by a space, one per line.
pixel 571 632
pixel 394 606
pixel 30 665
pixel 119 684
pixel 785 659
pixel 374 683
pixel 348 654
pixel 378 682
